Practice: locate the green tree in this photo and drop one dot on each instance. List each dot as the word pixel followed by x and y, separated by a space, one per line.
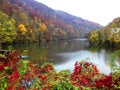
pixel 7 29
pixel 96 38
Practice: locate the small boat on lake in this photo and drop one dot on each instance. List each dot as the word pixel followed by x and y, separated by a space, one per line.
pixel 24 57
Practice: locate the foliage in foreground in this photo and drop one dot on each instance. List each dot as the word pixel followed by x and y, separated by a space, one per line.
pixel 16 73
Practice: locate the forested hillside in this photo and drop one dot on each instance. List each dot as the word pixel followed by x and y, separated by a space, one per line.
pixel 31 21
pixel 109 36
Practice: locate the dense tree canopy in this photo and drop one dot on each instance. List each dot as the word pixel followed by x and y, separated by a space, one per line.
pixel 7 28
pixel 34 21
pixel 109 36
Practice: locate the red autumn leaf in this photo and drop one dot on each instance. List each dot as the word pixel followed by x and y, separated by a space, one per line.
pixel 11 87
pixel 14 76
pixel 2 67
pixel 43 77
pixel 21 88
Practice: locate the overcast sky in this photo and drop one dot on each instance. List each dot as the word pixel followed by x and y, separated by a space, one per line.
pixel 99 11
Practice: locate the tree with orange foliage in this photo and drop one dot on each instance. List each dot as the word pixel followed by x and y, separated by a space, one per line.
pixel 22 28
pixel 42 26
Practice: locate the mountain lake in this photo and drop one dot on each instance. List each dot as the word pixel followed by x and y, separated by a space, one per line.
pixel 63 54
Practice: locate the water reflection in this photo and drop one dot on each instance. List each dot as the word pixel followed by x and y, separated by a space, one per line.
pixel 65 53
pixel 48 51
pixel 100 59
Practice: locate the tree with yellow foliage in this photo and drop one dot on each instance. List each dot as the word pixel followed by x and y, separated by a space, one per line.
pixel 7 29
pixel 31 35
pixel 22 28
pixel 22 33
pixel 96 38
pixel 112 33
pixel 114 39
pixel 42 26
pixel 42 29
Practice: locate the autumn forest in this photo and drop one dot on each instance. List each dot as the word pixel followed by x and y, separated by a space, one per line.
pixel 29 22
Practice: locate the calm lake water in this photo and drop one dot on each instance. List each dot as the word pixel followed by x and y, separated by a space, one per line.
pixel 64 54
